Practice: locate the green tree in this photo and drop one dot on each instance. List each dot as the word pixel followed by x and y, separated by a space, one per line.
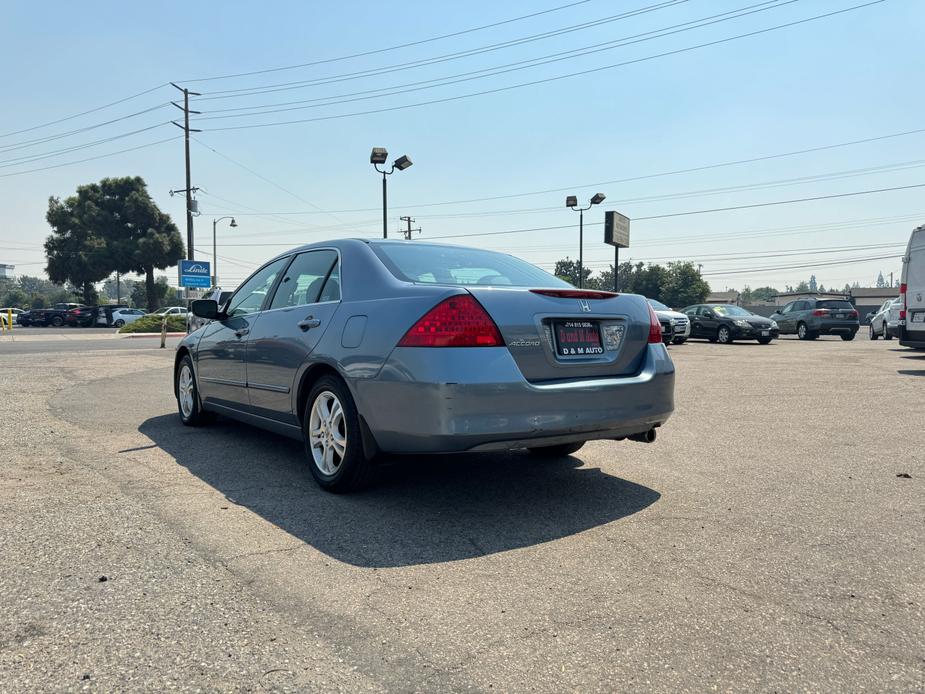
pixel 683 285
pixel 15 297
pixel 764 293
pixel 802 287
pixel 568 270
pixel 812 284
pixel 75 252
pixel 650 281
pixel 139 237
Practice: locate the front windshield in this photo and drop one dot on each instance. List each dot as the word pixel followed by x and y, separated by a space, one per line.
pixel 730 311
pixel 658 305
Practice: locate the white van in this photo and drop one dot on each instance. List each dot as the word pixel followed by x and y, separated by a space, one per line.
pixel 912 292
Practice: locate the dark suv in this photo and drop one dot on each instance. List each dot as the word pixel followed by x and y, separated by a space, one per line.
pixel 810 318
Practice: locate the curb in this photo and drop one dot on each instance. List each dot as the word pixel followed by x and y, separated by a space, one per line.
pixel 136 335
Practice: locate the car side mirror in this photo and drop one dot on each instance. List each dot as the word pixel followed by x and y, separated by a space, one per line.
pixel 205 308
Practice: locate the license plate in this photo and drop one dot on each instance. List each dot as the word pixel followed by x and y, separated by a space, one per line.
pixel 765 333
pixel 918 318
pixel 841 315
pixel 578 338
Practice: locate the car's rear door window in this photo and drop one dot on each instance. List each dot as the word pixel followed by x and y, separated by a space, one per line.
pixel 304 279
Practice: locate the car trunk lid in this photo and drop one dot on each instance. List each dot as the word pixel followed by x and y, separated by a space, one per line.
pixel 556 334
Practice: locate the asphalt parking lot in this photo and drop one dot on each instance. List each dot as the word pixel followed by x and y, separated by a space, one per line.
pixel 771 539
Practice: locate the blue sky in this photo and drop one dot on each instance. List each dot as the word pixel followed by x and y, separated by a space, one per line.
pixel 853 76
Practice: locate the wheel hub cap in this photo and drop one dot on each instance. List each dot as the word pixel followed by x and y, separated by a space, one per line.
pixel 185 390
pixel 327 432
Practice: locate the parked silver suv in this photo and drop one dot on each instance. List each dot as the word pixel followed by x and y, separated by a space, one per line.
pixel 810 318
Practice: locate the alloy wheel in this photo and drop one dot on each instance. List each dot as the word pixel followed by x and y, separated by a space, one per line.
pixel 723 335
pixel 327 432
pixel 185 392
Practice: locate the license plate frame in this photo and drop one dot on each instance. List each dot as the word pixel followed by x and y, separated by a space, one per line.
pixel 918 317
pixel 765 333
pixel 577 338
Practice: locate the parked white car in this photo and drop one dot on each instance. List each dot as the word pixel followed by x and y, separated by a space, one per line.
pixel 4 312
pixel 680 322
pixel 171 311
pixel 124 316
pixel 885 322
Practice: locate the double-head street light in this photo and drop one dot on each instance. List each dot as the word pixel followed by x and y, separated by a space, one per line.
pixel 376 157
pixel 572 202
pixel 214 249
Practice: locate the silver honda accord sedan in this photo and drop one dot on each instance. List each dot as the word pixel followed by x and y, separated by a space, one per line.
pixel 360 347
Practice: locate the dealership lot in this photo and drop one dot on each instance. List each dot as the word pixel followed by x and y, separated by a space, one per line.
pixel 765 541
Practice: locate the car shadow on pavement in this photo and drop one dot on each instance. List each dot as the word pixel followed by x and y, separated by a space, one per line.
pixel 420 510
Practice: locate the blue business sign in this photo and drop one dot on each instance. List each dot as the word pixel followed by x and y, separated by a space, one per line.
pixel 195 273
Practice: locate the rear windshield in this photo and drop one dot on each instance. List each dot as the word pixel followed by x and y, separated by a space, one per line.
pixel 461 266
pixel 834 303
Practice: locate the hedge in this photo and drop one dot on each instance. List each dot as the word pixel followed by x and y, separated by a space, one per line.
pixel 152 324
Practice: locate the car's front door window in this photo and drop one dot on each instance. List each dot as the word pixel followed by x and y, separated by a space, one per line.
pixel 250 296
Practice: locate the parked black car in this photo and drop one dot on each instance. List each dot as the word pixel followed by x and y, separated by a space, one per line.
pixel 725 323
pixel 56 315
pixel 810 318
pixel 92 316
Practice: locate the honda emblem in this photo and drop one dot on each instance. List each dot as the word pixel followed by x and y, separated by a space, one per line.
pixel 584 305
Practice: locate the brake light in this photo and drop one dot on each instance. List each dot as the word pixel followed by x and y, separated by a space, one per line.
pixel 74 311
pixel 853 314
pixel 902 295
pixel 821 312
pixel 575 293
pixel 459 321
pixel 655 328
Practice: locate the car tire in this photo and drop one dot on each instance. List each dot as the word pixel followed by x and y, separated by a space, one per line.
pixel 187 392
pixel 119 323
pixel 764 340
pixel 724 335
pixel 558 451
pixel 886 332
pixel 803 332
pixel 335 452
pixel 848 337
pixel 679 340
pixel 872 334
pixel 57 321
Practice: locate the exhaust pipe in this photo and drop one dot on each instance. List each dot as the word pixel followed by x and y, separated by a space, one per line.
pixel 643 437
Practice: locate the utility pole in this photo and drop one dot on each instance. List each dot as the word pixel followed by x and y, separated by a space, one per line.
pixel 118 290
pixel 189 186
pixel 407 232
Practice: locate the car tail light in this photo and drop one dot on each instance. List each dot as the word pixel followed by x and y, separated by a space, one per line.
pixel 459 321
pixel 575 293
pixel 902 295
pixel 655 328
pixel 821 312
pixel 74 311
pixel 853 314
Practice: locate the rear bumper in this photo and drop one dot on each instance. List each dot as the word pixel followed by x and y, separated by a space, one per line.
pixel 911 338
pixel 428 401
pixel 836 327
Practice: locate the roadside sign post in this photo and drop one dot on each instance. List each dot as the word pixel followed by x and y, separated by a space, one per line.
pixel 616 234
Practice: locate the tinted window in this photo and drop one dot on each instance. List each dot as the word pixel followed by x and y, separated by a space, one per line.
pixel 704 311
pixel 331 290
pixel 250 296
pixel 461 266
pixel 304 279
pixel 833 303
pixel 658 305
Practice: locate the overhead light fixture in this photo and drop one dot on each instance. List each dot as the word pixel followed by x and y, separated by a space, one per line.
pixel 571 201
pixel 378 155
pixel 598 198
pixel 233 224
pixel 402 163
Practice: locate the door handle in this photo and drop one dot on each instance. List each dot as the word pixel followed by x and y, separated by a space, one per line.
pixel 242 332
pixel 309 323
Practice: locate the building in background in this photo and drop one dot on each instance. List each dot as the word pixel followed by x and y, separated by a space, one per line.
pixel 6 271
pixel 731 297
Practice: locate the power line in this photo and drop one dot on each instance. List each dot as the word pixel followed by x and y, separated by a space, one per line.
pixel 16 161
pixel 374 72
pixel 484 72
pixel 390 48
pixel 84 113
pixel 554 78
pixel 848 261
pixel 81 161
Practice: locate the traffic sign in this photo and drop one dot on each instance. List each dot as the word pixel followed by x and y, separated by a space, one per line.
pixel 616 229
pixel 195 273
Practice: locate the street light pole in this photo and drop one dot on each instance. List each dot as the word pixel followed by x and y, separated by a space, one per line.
pixel 572 202
pixel 378 156
pixel 215 247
